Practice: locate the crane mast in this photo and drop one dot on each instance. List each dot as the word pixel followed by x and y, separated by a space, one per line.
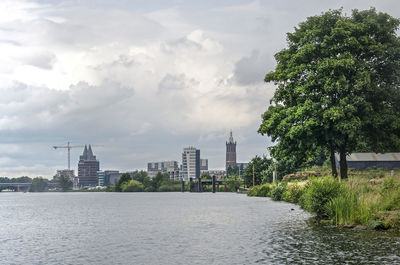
pixel 68 147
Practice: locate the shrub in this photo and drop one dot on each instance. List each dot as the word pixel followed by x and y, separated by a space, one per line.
pixel 264 190
pixel 174 187
pixel 390 201
pixel 132 186
pixel 344 209
pixel 254 191
pixel 293 192
pixel 233 184
pixel 319 191
pixel 277 191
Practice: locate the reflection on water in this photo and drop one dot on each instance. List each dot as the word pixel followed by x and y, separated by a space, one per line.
pixel 176 228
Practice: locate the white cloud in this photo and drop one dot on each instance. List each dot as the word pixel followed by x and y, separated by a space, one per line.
pixel 145 80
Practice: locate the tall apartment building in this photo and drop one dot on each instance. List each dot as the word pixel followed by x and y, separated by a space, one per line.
pixel 87 168
pixel 230 153
pixel 190 163
pixel 170 167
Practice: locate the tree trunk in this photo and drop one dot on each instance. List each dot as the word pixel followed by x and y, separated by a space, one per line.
pixel 333 162
pixel 343 162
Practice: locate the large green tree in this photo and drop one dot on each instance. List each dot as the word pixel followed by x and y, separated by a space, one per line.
pixel 338 87
pixel 124 178
pixel 64 183
pixel 39 184
pixel 258 165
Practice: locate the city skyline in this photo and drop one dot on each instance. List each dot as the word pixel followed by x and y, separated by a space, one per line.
pixel 156 77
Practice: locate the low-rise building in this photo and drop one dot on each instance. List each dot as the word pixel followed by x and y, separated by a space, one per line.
pixel 66 173
pixel 216 172
pixel 170 167
pixel 370 160
pixel 108 177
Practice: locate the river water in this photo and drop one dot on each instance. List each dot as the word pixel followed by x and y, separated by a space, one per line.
pixel 176 228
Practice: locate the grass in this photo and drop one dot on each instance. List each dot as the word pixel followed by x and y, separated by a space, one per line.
pixel 370 198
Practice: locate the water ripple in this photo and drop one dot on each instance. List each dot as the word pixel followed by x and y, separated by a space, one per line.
pixel 176 228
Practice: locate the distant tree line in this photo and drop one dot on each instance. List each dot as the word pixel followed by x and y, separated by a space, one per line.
pixel 139 181
pixel 40 184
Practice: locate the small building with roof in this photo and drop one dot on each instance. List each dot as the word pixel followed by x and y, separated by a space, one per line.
pixel 369 160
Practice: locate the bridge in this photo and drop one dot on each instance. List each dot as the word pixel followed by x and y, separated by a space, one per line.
pixel 22 186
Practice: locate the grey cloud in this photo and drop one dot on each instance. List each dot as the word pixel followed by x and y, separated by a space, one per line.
pixel 43 59
pixel 176 82
pixel 12 42
pixel 87 27
pixel 251 69
pixel 41 108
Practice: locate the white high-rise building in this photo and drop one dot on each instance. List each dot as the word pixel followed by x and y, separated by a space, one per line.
pixel 190 163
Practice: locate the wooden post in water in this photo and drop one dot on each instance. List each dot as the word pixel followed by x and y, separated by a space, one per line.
pixel 199 185
pixel 183 186
pixel 213 183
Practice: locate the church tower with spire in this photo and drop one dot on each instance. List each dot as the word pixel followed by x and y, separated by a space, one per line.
pixel 88 167
pixel 230 153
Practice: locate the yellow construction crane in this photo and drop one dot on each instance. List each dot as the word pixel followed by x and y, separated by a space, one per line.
pixel 68 147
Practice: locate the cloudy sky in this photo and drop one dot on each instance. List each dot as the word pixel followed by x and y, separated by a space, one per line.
pixel 143 78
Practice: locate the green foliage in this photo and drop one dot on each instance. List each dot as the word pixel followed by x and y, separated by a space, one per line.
pixel 293 192
pixel 159 179
pixel 140 176
pixel 265 190
pixel 319 191
pixel 390 195
pixel 38 185
pixel 132 186
pixel 357 200
pixel 260 191
pixel 254 192
pixel 64 183
pixel 205 176
pixel 171 187
pixel 261 164
pixel 124 178
pixel 337 89
pixel 233 183
pixel 23 179
pixel 278 190
pixel 344 208
pixel 160 182
pixel 232 171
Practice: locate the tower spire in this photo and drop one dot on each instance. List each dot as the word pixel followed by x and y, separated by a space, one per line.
pixel 231 137
pixel 230 152
pixel 85 152
pixel 90 153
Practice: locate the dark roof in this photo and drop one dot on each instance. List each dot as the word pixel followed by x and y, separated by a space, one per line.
pixel 355 157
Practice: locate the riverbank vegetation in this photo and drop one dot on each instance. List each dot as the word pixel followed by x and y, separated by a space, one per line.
pixel 139 181
pixel 370 198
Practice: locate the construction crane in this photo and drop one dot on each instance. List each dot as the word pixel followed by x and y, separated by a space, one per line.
pixel 68 147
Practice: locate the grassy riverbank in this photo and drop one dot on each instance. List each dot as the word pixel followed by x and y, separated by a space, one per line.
pixel 369 198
